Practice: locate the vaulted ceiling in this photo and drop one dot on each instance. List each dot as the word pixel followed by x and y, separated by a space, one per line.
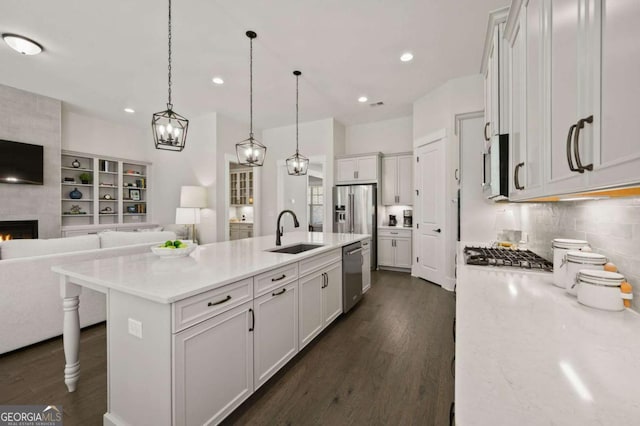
pixel 103 56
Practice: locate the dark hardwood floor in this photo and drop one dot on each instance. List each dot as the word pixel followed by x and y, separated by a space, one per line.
pixel 387 362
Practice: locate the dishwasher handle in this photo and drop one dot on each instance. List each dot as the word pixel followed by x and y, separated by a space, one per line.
pixel 354 251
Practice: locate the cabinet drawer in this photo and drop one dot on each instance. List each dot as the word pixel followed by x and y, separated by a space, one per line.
pixel 275 278
pixel 198 308
pixel 317 262
pixel 395 233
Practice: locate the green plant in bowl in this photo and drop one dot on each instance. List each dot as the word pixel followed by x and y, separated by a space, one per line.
pixel 85 178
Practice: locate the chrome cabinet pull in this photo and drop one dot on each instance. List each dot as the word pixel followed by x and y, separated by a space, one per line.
pixel 279 293
pixel 516 176
pixel 569 160
pixel 486 126
pixel 576 144
pixel 219 302
pixel 279 278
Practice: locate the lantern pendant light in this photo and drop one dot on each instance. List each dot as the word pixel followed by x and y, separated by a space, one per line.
pixel 250 151
pixel 169 128
pixel 297 165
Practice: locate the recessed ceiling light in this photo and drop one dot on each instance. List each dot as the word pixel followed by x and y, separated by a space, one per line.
pixel 363 99
pixel 129 110
pixel 217 80
pixel 22 44
pixel 406 57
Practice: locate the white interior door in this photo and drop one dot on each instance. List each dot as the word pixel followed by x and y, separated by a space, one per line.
pixel 430 212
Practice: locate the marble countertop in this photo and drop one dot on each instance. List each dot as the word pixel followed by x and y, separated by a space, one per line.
pixel 408 228
pixel 527 353
pixel 209 266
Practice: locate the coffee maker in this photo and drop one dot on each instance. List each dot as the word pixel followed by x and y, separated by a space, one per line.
pixel 408 218
pixel 392 220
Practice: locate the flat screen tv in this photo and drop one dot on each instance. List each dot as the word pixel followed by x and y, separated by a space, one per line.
pixel 21 163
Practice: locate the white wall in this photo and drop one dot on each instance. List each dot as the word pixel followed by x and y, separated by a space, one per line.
pixel 387 136
pixel 195 165
pixel 84 133
pixel 317 138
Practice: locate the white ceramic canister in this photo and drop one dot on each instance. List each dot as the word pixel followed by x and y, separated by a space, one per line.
pixel 580 260
pixel 560 247
pixel 601 290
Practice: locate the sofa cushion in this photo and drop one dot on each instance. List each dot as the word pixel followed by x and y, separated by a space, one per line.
pixel 110 239
pixel 27 248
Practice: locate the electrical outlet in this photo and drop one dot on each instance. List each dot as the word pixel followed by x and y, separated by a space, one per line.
pixel 135 328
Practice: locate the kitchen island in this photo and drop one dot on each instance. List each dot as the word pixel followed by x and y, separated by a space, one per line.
pixel 189 339
pixel 528 353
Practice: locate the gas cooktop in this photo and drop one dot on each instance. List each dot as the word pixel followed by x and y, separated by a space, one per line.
pixel 492 256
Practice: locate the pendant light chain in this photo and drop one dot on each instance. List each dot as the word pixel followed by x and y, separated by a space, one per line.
pixel 169 104
pixel 251 87
pixel 297 76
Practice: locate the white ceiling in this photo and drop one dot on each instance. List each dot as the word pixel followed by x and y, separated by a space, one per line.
pixel 103 56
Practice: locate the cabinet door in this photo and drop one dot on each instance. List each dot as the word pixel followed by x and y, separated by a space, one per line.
pixel 390 181
pixel 346 169
pixel 276 331
pixel 366 270
pixel 213 370
pixel 403 252
pixel 617 151
pixel 386 255
pixel 367 168
pixel 332 293
pixel 494 59
pixel 310 307
pixel 405 180
pixel 488 80
pixel 565 95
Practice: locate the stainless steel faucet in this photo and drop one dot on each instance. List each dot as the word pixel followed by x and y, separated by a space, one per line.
pixel 279 231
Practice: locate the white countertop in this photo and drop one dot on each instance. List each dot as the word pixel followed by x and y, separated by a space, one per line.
pixel 209 266
pixel 408 228
pixel 528 354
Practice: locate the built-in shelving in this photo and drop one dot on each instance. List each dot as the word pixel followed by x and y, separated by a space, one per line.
pixel 114 177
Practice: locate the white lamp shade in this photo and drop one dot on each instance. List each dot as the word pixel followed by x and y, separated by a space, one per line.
pixel 193 196
pixel 187 216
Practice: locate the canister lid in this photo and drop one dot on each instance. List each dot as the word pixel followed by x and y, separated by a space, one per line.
pixel 586 257
pixel 565 243
pixel 598 277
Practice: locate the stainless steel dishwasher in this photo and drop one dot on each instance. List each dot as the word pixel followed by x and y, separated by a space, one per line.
pixel 351 275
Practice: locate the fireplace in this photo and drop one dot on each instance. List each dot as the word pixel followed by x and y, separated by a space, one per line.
pixel 18 229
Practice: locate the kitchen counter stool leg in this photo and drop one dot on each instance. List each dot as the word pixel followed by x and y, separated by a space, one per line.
pixel 71 332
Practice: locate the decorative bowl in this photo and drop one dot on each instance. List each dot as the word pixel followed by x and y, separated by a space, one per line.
pixel 167 252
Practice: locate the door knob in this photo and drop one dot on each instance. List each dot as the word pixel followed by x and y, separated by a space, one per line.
pixel 437 230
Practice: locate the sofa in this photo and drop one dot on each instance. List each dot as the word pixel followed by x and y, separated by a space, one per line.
pixel 30 303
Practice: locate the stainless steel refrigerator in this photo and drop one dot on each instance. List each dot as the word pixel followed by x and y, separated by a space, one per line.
pixel 355 212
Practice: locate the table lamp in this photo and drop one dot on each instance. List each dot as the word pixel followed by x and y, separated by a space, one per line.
pixel 192 199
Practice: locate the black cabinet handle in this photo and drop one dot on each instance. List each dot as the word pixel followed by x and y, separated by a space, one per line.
pixel 486 126
pixel 279 278
pixel 437 230
pixel 569 158
pixel 516 175
pixel 253 320
pixel 219 302
pixel 279 293
pixel 452 414
pixel 576 144
pixel 453 367
pixel 454 330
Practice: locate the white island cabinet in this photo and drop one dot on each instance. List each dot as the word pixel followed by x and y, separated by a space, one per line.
pixel 190 339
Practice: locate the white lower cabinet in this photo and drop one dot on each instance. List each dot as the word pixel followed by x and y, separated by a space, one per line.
pixel 320 301
pixel 276 331
pixel 403 252
pixel 213 367
pixel 394 248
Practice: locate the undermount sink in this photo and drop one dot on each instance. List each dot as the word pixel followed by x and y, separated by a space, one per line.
pixel 295 249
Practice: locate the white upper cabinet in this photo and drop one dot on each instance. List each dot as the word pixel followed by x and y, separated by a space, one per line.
pixel 574 95
pixel 526 116
pixel 361 169
pixel 615 67
pixel 397 179
pixel 495 69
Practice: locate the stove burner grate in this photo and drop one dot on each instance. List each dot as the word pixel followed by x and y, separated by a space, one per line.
pixel 492 256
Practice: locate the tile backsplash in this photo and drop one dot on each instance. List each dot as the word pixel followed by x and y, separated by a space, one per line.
pixel 611 226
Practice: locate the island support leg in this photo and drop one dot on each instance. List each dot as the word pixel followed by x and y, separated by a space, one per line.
pixel 71 332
